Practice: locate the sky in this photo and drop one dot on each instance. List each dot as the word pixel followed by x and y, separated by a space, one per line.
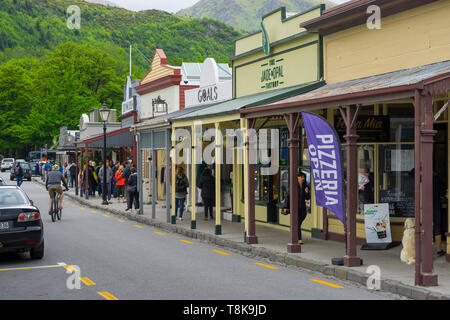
pixel 166 5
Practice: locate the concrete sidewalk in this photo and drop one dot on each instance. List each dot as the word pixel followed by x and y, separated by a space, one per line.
pixel 396 276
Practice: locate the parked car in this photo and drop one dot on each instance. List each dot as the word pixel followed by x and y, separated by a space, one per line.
pixel 21 227
pixel 19 160
pixel 7 164
pixel 27 171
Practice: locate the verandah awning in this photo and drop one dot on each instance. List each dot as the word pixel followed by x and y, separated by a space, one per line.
pixel 116 139
pixel 385 87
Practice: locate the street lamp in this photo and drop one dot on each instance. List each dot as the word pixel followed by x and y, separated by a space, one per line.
pixel 159 105
pixel 104 114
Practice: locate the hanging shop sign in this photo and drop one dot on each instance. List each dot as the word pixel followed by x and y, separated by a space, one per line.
pixel 368 128
pixel 377 224
pixel 265 39
pixel 326 169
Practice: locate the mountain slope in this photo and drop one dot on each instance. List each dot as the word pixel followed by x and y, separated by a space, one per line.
pixel 51 74
pixel 35 27
pixel 246 14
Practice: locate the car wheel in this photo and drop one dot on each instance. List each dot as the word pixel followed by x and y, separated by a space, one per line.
pixel 37 253
pixel 29 179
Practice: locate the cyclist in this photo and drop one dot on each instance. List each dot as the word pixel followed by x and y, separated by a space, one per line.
pixel 53 185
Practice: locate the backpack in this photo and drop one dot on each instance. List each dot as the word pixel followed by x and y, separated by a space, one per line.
pixel 180 185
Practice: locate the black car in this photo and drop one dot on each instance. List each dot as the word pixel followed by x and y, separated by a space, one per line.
pixel 21 227
pixel 2 183
pixel 27 171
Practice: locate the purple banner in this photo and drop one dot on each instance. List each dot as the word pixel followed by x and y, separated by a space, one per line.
pixel 326 170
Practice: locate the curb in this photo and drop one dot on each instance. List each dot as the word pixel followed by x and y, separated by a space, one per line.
pixel 341 273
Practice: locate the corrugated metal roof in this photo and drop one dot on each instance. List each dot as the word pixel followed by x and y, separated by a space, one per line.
pixel 382 81
pixel 232 106
pixel 168 117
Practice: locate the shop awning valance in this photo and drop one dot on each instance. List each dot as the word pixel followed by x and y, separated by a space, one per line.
pixel 233 106
pixel 385 87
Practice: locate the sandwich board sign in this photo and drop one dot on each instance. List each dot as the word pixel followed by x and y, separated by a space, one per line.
pixel 377 227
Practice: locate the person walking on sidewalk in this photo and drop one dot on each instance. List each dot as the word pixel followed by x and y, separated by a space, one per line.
pixel 181 185
pixel 120 185
pixel 107 188
pixel 133 194
pixel 208 186
pixel 114 169
pixel 303 193
pixel 72 173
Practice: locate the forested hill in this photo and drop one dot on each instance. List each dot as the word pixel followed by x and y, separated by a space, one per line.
pixel 33 27
pixel 51 74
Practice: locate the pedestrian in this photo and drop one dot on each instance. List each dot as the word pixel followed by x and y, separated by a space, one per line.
pixel 303 194
pixel 99 182
pixel 92 179
pixel 47 168
pixel 208 186
pixel 133 194
pixel 19 174
pixel 181 185
pixel 105 188
pixel 200 169
pixel 114 169
pixel 126 174
pixel 120 185
pixel 60 167
pixel 72 173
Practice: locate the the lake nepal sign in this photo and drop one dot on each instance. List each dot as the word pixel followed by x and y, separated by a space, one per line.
pixel 272 74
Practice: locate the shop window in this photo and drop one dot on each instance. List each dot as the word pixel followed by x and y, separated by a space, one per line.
pixel 401 119
pixel 366 176
pixel 396 176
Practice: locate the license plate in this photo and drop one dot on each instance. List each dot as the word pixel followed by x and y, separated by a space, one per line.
pixel 4 226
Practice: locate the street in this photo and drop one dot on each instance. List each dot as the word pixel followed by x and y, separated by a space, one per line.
pixel 120 259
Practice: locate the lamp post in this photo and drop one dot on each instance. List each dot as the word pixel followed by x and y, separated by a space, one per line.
pixel 104 114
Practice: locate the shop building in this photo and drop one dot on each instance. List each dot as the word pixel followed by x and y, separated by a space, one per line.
pixel 386 95
pixel 265 70
pixel 162 93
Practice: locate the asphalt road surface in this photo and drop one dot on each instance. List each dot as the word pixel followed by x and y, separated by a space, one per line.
pixel 120 259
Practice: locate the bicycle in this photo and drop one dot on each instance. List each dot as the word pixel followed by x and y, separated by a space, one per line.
pixel 56 211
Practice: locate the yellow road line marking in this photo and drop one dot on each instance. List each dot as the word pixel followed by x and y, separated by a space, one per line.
pixel 221 252
pixel 73 205
pixel 31 268
pixel 92 211
pixel 87 281
pixel 327 283
pixel 186 241
pixel 265 265
pixel 106 216
pixel 107 295
pixel 137 226
pixel 120 220
pixel 70 268
pixel 163 234
pixel 82 208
